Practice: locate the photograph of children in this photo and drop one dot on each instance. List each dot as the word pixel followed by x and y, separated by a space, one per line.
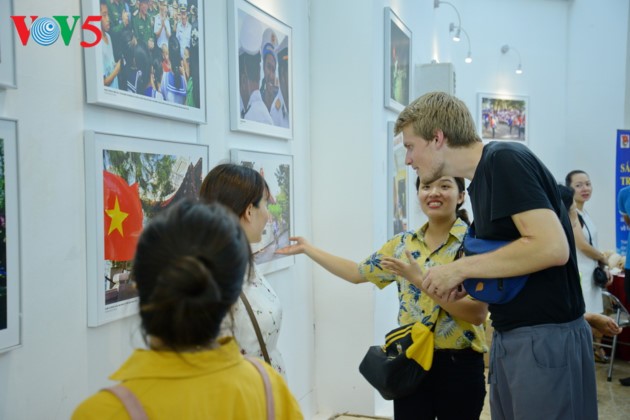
pixel 399 182
pixel 397 63
pixel 261 83
pixel 503 117
pixel 135 180
pixel 277 172
pixel 151 58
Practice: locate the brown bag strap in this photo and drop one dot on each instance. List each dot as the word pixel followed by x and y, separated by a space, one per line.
pixel 271 408
pixel 130 401
pixel 250 312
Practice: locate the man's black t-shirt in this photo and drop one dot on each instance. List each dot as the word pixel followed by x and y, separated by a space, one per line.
pixel 509 180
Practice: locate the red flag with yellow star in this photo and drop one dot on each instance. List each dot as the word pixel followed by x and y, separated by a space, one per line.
pixel 123 217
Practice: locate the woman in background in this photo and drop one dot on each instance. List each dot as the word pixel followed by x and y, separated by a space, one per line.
pixel 189 268
pixel 454 388
pixel 588 254
pixel 245 192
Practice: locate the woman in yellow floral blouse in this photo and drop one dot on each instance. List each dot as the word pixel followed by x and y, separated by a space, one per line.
pixel 454 388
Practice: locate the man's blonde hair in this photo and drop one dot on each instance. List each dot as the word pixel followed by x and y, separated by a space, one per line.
pixel 439 111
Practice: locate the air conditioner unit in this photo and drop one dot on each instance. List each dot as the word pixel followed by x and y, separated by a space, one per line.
pixel 432 77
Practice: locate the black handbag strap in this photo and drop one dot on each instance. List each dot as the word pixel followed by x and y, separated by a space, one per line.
pixel 252 317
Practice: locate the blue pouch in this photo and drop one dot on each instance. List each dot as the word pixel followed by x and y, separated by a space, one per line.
pixel 495 291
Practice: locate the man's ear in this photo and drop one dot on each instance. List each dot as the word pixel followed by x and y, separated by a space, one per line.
pixel 439 138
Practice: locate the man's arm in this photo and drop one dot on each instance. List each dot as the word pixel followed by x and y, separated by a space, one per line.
pixel 543 244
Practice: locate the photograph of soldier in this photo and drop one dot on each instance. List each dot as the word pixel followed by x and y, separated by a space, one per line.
pixel 263 71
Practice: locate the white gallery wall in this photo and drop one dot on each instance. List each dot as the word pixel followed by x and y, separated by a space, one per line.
pixel 575 61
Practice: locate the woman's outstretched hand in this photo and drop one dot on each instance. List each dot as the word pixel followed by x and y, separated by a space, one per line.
pixel 299 247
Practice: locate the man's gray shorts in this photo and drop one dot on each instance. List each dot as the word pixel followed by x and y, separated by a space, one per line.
pixel 543 372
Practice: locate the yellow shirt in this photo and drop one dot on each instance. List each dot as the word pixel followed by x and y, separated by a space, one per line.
pixel 212 384
pixel 450 333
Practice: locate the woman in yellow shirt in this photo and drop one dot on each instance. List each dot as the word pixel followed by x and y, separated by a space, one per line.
pixel 455 387
pixel 189 269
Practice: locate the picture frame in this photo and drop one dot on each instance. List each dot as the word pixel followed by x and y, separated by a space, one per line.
pixel 119 203
pixel 10 266
pixel 257 104
pixel 7 49
pixel 507 113
pixel 397 184
pixel 143 83
pixel 277 169
pixel 397 62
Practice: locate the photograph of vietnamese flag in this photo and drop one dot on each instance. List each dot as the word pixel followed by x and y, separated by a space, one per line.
pixel 137 179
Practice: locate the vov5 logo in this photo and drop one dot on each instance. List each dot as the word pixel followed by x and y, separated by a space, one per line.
pixel 45 31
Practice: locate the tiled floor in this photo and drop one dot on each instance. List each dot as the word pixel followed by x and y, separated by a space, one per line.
pixel 613 398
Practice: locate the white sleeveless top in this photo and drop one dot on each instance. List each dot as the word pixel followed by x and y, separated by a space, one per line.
pixel 266 306
pixel 586 265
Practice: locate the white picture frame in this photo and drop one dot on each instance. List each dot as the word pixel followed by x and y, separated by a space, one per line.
pixel 398 179
pixel 261 113
pixel 397 62
pixel 10 274
pixel 508 112
pixel 163 104
pixel 7 47
pixel 275 168
pixel 117 210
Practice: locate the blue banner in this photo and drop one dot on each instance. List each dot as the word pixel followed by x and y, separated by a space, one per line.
pixel 622 179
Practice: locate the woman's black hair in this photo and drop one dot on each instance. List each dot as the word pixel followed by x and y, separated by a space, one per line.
pixel 568 178
pixel 234 186
pixel 461 187
pixel 189 268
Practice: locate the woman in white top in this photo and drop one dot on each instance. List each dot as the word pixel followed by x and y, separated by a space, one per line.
pixel 588 255
pixel 244 191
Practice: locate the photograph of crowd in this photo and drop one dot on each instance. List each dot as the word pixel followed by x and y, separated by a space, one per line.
pixel 503 117
pixel 261 85
pixel 151 54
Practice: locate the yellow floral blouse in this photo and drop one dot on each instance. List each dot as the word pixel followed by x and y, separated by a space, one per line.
pixel 450 333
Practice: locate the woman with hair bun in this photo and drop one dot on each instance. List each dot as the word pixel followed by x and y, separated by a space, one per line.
pixel 257 328
pixel 189 268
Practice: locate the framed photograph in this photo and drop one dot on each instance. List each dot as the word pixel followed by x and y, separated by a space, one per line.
pixel 128 181
pixel 278 172
pixel 7 51
pixel 397 62
pixel 150 59
pixel 10 290
pixel 397 184
pixel 261 82
pixel 502 117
